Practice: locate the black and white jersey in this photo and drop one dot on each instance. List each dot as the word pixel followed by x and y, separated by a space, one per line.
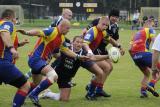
pixel 68 66
pixel 56 21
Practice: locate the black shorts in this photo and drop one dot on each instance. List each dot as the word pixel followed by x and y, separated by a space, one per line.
pixel 64 80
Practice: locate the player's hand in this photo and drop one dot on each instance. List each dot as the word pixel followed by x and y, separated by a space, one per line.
pixel 90 53
pixel 22 31
pixel 15 54
pixel 122 51
pixel 84 58
pixel 25 41
pixel 92 58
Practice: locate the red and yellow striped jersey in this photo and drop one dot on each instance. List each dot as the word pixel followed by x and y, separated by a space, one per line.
pixel 94 37
pixel 7 26
pixel 48 43
pixel 142 39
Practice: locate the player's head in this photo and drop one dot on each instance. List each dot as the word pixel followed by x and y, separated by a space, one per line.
pixel 147 22
pixel 9 14
pixel 67 14
pixel 103 23
pixel 114 15
pixel 64 26
pixel 77 43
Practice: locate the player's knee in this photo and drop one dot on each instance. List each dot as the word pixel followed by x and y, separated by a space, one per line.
pixel 26 87
pixel 99 74
pixel 52 76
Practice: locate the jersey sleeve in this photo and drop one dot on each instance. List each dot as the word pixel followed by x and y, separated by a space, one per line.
pixel 152 32
pixel 106 36
pixel 156 44
pixel 64 45
pixel 7 26
pixel 89 37
pixel 46 31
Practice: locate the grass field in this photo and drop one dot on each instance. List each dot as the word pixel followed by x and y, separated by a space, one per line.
pixel 123 83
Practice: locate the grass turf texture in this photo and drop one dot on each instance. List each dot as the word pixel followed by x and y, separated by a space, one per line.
pixel 123 83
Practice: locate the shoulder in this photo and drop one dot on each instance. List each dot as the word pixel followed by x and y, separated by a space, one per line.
pixel 48 31
pixel 7 26
pixel 151 30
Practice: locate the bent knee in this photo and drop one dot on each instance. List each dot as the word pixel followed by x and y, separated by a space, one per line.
pixel 52 76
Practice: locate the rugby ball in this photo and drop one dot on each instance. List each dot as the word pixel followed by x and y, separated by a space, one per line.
pixel 114 54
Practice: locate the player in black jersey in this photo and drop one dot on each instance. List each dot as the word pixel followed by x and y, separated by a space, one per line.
pixel 67 67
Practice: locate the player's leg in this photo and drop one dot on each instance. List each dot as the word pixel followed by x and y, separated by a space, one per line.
pixel 96 82
pixel 144 82
pixel 39 66
pixel 155 76
pixel 51 77
pixel 144 61
pixel 107 68
pixel 65 94
pixel 11 75
pixel 49 94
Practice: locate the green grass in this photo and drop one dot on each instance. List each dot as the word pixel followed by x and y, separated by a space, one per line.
pixel 123 83
pixel 82 24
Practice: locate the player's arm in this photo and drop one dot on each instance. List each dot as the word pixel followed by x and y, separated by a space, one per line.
pixel 88 38
pixel 156 53
pixel 70 53
pixel 5 35
pixel 22 43
pixel 155 58
pixel 99 57
pixel 86 47
pixel 31 32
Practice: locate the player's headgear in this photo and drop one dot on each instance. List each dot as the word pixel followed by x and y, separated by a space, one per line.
pixel 114 12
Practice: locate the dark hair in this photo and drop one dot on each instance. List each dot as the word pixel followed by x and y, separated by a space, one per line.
pixel 77 37
pixel 114 12
pixel 7 13
pixel 145 18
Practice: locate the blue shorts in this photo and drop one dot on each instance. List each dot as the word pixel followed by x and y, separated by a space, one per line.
pixel 36 64
pixel 9 72
pixel 143 59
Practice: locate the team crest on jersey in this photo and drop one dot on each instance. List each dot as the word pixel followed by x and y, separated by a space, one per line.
pixel 87 36
pixel 6 27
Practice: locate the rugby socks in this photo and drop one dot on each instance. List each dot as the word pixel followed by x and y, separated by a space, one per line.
pixel 19 98
pixel 32 86
pixel 92 88
pixel 143 90
pixel 99 87
pixel 152 83
pixel 42 86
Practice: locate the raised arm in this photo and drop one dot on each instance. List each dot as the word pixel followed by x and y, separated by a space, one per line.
pixel 34 32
